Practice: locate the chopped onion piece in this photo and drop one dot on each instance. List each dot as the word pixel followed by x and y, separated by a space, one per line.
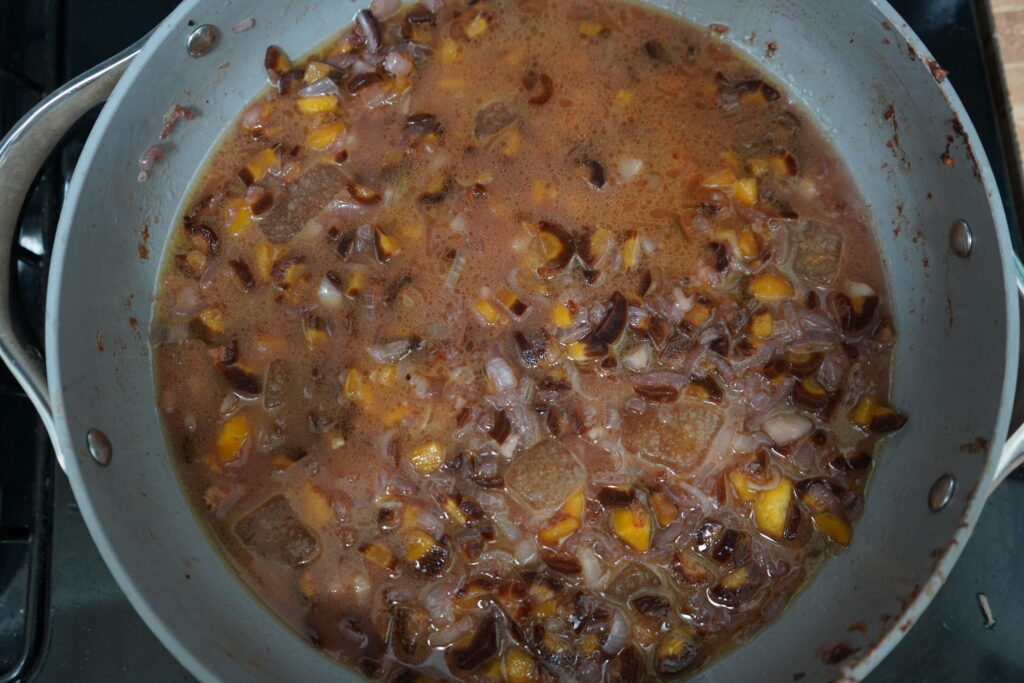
pixel 456 270
pixel 323 86
pixel 501 374
pixel 329 295
pixel 638 358
pixel 397 63
pixel 391 351
pixel 618 633
pixel 384 9
pixel 787 428
pixel 629 168
pixel 856 290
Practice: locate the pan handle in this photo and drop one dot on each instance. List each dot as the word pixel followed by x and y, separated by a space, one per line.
pixel 23 152
pixel 1012 455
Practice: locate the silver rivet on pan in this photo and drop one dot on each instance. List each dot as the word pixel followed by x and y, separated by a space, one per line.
pixel 201 40
pixel 961 239
pixel 99 447
pixel 941 492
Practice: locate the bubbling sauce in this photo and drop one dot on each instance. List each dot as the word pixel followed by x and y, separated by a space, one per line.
pixel 524 341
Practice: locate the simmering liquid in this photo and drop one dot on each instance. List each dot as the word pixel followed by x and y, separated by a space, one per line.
pixel 524 341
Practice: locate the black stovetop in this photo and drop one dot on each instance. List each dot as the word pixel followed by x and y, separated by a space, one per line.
pixel 61 615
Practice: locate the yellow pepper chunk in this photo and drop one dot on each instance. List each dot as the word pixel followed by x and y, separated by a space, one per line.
pixel 741 485
pixel 836 528
pixel 448 51
pixel 417 545
pixel 624 98
pixel 452 509
pixel 213 318
pixel 306 586
pixel 487 311
pixel 231 438
pixel 355 284
pixel 591 29
pixel 395 415
pixel 757 167
pixel 266 255
pixel 237 216
pixel 379 555
pixel 771 508
pixel 258 166
pixel 354 387
pixel 631 250
pixel 561 316
pixel 745 191
pixel 519 666
pixel 561 526
pixel 770 287
pixel 724 178
pixel 761 324
pixel 510 145
pixel 863 411
pixel 633 526
pixel 427 458
pixel 477 27
pixel 314 507
pixel 323 136
pixel 315 71
pixel 318 104
pixel 746 244
pixel 578 351
pixel 573 506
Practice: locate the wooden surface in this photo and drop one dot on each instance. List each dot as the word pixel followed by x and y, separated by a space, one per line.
pixel 1009 21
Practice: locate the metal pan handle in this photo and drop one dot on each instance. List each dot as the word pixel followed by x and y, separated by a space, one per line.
pixel 22 154
pixel 1012 455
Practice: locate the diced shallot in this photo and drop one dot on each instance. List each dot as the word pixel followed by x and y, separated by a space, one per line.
pixel 787 427
pixel 618 634
pixel 322 86
pixel 243 25
pixel 629 168
pixel 390 351
pixel 501 373
pixel 384 9
pixel 637 358
pixel 398 64
pixel 329 295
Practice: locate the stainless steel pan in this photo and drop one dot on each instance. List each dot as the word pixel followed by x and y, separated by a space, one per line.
pixel 854 64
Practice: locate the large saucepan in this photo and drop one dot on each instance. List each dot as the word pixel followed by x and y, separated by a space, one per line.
pixel 868 81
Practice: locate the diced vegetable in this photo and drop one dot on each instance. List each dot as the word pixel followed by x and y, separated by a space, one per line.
pixel 769 287
pixel 771 508
pixel 232 436
pixel 632 525
pixel 834 527
pixel 878 417
pixel 325 135
pixel 318 104
pixel 427 458
pixel 477 26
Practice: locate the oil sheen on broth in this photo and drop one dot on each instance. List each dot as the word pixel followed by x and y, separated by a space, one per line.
pixel 524 340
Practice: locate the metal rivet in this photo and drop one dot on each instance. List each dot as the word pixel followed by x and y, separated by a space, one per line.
pixel 961 239
pixel 941 492
pixel 99 447
pixel 201 40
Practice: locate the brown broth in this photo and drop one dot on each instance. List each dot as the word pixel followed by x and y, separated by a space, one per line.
pixel 565 354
